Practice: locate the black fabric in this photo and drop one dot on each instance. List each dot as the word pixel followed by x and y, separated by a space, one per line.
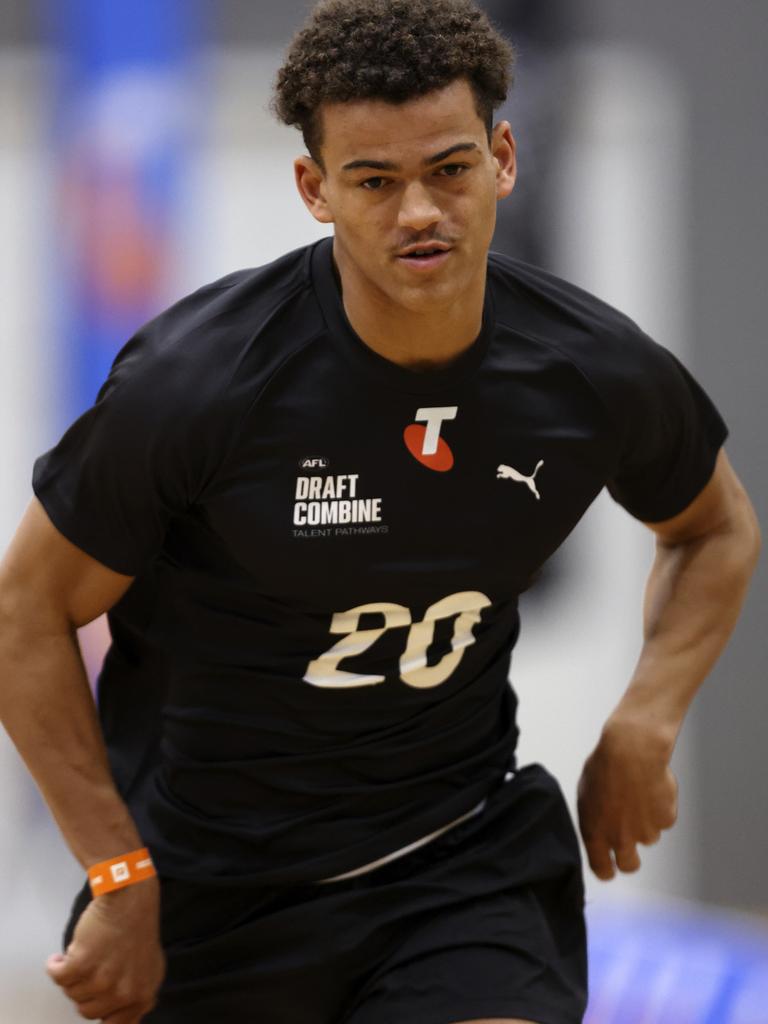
pixel 485 921
pixel 310 669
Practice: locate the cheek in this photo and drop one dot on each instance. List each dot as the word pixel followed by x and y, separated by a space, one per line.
pixel 362 233
pixel 478 215
pixel 370 228
pixel 476 199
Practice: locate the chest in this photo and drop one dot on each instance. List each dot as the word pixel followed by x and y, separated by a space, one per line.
pixel 342 492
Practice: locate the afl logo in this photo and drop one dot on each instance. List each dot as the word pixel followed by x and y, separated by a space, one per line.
pixel 425 443
pixel 316 463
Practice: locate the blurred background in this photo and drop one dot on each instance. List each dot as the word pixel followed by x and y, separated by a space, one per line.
pixel 138 160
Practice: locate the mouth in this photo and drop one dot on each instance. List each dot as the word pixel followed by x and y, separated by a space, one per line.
pixel 427 257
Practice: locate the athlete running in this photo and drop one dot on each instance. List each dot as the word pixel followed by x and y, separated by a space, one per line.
pixel 306 497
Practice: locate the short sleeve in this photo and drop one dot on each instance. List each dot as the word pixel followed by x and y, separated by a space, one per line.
pixel 125 467
pixel 670 432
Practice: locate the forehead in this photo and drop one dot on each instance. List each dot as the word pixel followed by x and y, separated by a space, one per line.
pixel 399 132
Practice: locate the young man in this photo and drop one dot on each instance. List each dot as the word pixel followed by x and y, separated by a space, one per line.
pixel 310 495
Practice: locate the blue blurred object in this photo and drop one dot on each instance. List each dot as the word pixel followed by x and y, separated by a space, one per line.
pixel 123 127
pixel 676 964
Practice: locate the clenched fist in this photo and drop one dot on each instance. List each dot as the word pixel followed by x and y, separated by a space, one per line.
pixel 114 965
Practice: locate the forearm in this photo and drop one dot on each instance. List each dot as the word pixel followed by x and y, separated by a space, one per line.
pixel 47 708
pixel 693 597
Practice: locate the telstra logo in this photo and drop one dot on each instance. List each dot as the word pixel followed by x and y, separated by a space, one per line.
pixel 425 443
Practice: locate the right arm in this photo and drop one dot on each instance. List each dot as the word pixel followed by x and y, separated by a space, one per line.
pixel 48 588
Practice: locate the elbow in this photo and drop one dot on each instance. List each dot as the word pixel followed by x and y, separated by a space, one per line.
pixel 13 620
pixel 27 617
pixel 756 540
pixel 749 539
pixel 751 529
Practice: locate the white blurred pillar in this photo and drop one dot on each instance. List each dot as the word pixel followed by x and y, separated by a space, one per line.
pixel 38 872
pixel 26 381
pixel 242 208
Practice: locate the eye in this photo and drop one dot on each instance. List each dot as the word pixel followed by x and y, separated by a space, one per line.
pixel 373 184
pixel 453 170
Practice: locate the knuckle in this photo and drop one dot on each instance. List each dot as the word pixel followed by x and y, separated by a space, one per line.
pixel 79 993
pixel 101 979
pixel 88 1011
pixel 125 992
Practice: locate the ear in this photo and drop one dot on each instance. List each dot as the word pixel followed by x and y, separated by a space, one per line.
pixel 310 181
pixel 504 150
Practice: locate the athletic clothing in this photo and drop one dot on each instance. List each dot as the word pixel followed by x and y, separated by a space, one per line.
pixel 310 669
pixel 387 858
pixel 470 926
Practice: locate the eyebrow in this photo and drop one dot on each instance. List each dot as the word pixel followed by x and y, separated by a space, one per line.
pixel 387 165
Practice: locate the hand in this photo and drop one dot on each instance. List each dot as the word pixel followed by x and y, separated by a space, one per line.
pixel 114 965
pixel 627 794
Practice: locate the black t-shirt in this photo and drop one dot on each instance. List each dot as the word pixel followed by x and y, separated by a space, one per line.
pixel 310 668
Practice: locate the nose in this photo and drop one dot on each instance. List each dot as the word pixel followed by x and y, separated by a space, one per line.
pixel 418 210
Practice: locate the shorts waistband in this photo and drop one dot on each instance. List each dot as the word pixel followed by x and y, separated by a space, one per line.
pixel 406 849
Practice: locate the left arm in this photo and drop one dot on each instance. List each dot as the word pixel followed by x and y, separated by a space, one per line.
pixel 704 559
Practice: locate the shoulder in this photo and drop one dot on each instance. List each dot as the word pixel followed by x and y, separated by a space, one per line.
pixel 605 345
pixel 540 303
pixel 215 345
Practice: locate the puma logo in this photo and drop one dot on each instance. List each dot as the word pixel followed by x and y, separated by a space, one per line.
pixel 507 473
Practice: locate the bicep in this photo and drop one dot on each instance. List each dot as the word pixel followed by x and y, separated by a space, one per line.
pixel 50 581
pixel 722 505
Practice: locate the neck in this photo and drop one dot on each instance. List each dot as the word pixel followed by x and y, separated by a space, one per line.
pixel 414 339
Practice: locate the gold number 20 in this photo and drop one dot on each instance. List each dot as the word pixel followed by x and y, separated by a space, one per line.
pixel 467 606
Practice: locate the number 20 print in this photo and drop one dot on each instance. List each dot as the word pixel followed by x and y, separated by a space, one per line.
pixel 467 606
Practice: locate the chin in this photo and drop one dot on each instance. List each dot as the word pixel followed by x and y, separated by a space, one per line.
pixel 427 297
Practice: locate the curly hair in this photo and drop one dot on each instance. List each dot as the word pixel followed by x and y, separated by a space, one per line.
pixel 392 50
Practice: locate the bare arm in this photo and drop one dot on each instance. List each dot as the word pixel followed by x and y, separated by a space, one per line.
pixel 704 560
pixel 48 588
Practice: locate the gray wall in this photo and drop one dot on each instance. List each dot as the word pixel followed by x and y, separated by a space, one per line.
pixel 717 50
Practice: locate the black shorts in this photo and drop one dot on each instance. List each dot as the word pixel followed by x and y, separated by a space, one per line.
pixel 484 921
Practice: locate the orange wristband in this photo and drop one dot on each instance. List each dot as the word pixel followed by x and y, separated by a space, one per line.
pixel 117 873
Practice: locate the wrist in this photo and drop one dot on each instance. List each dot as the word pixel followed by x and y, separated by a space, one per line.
pixel 144 896
pixel 116 837
pixel 137 905
pixel 654 707
pixel 632 727
pixel 126 870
